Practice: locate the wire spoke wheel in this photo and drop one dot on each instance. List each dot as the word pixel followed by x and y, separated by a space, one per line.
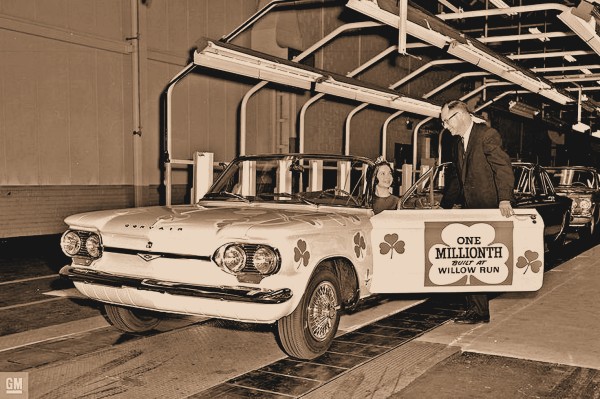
pixel 309 330
pixel 322 310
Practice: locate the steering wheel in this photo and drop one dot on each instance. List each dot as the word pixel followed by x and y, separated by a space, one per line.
pixel 338 192
pixel 579 183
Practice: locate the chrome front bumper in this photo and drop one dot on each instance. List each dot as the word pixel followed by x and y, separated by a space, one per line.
pixel 241 294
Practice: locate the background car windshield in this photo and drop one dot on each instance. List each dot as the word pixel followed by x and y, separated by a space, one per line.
pixel 293 179
pixel 572 177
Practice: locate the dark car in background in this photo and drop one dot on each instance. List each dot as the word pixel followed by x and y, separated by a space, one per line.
pixel 533 189
pixel 582 185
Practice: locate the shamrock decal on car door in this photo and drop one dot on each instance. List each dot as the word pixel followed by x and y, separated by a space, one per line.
pixel 391 244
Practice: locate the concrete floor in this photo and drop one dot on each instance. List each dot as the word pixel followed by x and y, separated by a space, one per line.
pixel 538 345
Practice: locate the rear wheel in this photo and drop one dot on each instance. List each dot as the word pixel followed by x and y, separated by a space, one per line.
pixel 308 331
pixel 130 320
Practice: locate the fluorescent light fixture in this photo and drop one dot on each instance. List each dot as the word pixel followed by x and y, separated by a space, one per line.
pixel 477 57
pixel 584 29
pixel 569 58
pixel 522 109
pixel 581 127
pixel 234 59
pixel 536 31
pixel 426 34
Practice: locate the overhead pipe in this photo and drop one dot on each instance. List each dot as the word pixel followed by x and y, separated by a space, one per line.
pixel 167 144
pixel 427 95
pixel 484 105
pixel 260 13
pixel 320 43
pixel 418 127
pixel 394 86
pixel 312 100
pixel 302 117
pixel 503 11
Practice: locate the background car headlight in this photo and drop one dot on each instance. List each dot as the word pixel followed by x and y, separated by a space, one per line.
pixel 585 204
pixel 234 258
pixel 70 243
pixel 93 245
pixel 265 260
pixel 574 204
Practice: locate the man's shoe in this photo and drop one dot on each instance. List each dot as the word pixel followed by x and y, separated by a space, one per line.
pixel 472 318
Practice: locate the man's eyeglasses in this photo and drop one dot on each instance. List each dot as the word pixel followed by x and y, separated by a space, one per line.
pixel 445 121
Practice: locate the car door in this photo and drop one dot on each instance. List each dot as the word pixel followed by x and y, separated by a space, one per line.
pixel 454 250
pixel 545 200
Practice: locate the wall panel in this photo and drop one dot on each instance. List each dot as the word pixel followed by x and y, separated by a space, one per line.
pixel 52 12
pixel 111 119
pixel 19 103
pixel 3 128
pixel 52 117
pixel 83 122
pixel 82 15
pixel 18 8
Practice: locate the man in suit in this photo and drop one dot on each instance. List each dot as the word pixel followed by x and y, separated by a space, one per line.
pixel 483 178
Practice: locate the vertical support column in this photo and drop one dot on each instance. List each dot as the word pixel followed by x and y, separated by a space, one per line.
pixel 407 173
pixel 315 178
pixel 284 177
pixel 203 174
pixel 138 193
pixel 248 178
pixel 402 13
pixel 343 177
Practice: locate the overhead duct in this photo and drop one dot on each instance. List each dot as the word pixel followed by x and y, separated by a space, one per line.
pixel 586 30
pixel 429 28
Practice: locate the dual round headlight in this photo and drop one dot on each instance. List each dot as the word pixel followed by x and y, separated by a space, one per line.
pixel 237 258
pixel 585 204
pixel 70 243
pixel 81 243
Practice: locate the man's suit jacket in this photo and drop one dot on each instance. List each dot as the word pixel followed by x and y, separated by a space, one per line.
pixel 485 176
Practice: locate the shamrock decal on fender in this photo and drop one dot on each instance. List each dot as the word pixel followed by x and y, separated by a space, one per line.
pixel 301 253
pixel 359 245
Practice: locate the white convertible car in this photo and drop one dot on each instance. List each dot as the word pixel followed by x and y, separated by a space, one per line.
pixel 291 239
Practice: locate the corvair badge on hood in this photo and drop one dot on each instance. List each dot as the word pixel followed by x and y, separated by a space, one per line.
pixel 141 226
pixel 148 257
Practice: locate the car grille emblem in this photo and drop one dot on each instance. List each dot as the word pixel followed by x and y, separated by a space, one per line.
pixel 148 257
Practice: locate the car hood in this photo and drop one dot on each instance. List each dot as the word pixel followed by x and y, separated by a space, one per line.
pixel 574 190
pixel 174 229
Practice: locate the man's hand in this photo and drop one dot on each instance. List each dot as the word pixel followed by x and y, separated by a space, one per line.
pixel 506 209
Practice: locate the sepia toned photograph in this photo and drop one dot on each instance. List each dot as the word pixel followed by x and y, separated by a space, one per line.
pixel 319 199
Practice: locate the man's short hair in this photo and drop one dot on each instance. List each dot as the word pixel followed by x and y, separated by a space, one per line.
pixel 457 104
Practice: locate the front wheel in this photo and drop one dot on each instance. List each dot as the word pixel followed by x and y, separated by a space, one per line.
pixel 130 320
pixel 308 331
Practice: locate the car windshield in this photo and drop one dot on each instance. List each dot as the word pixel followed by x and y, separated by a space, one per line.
pixel 571 177
pixel 293 179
